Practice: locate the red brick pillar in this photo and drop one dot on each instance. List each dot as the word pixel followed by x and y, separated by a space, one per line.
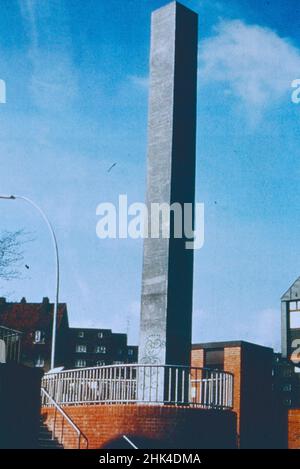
pixel 232 364
pixel 197 361
pixel 294 428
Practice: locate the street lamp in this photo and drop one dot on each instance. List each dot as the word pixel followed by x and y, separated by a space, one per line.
pixel 54 327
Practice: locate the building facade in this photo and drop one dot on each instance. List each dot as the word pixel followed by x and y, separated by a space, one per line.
pixel 75 347
pixel 98 347
pixel 288 364
pixel 290 323
pixel 254 403
pixel 287 370
pixel 286 382
pixel 34 321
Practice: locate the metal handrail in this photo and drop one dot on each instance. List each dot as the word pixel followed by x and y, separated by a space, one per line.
pixel 66 417
pixel 12 339
pixel 9 329
pixel 138 383
pixel 139 365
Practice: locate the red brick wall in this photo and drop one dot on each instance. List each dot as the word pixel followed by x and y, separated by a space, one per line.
pixel 165 426
pixel 253 403
pixel 294 429
pixel 233 364
pixel 197 358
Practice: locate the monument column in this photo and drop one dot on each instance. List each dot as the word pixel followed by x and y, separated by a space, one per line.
pixel 167 282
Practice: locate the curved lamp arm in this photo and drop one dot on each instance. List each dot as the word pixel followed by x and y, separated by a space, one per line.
pixel 54 240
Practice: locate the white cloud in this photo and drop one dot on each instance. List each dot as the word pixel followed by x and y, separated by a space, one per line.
pixel 253 63
pixel 28 12
pixel 139 81
pixel 54 79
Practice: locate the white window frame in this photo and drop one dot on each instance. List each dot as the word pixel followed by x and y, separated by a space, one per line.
pixel 80 363
pixel 100 349
pixel 100 363
pixel 81 348
pixel 39 337
pixel 39 362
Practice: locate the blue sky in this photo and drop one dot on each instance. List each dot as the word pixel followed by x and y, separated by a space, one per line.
pixel 77 90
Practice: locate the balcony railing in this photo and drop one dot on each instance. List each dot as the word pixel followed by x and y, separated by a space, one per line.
pixel 145 384
pixel 10 345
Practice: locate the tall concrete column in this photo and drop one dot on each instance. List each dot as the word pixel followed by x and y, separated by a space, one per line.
pixel 167 283
pixel 285 330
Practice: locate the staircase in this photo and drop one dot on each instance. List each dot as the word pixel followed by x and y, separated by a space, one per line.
pixel 45 438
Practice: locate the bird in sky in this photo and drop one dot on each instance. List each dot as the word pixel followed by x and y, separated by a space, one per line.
pixel 112 166
pixel 27 266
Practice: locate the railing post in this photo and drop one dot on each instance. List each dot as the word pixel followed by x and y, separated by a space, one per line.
pixel 62 431
pixel 54 424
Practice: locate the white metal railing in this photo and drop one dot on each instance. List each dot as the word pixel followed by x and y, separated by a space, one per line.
pixel 59 433
pixel 147 384
pixel 10 339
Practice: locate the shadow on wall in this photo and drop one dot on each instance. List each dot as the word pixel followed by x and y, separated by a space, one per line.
pixel 199 429
pixel 150 426
pixel 139 442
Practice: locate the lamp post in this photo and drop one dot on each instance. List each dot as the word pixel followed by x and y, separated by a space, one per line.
pixel 54 240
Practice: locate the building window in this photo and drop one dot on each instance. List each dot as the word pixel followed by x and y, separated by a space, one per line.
pixel 130 352
pixel 100 363
pixel 39 337
pixel 295 319
pixel 294 305
pixel 80 363
pixel 287 388
pixel 39 362
pixel 100 349
pixel 118 363
pixel 81 348
pixel 81 334
pixel 287 372
pixel 214 359
pixel 100 335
